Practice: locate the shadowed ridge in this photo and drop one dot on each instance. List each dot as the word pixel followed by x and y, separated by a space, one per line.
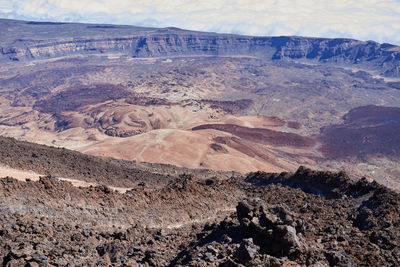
pixel 327 184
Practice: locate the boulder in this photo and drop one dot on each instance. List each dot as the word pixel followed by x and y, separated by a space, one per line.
pixel 247 251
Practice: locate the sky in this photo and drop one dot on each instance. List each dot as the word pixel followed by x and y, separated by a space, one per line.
pixel 377 20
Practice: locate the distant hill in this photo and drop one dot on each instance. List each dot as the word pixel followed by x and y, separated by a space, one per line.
pixel 27 40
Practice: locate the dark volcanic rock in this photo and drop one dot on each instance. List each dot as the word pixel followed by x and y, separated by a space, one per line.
pixel 367 130
pixel 305 218
pixel 261 135
pixel 247 251
pixel 270 227
pixel 281 226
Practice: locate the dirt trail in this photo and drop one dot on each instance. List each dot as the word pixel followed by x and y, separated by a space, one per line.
pixel 217 214
pixel 18 174
pixel 22 175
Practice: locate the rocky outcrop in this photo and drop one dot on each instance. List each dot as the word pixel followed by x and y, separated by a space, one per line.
pixel 193 222
pixel 142 42
pixel 346 51
pixel 281 225
pixel 273 228
pixel 327 184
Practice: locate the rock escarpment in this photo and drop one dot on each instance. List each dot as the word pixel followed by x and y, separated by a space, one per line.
pixel 151 42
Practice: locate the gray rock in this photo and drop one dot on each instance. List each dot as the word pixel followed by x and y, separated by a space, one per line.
pixel 285 239
pixel 231 263
pixel 338 258
pixel 247 251
pixel 209 257
pixel 32 264
pixel 243 211
pixel 273 262
pixel 211 249
pixel 226 239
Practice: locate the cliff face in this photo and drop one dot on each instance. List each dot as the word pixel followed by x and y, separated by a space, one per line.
pixel 385 57
pixel 153 45
pixel 145 42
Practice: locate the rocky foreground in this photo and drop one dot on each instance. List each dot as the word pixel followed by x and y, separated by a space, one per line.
pixel 305 218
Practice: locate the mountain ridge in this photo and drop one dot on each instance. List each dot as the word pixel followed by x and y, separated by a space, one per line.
pixel 158 42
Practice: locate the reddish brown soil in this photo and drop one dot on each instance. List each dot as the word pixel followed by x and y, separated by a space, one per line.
pixel 368 130
pixel 245 148
pixel 261 135
pixel 218 148
pixel 277 121
pixel 294 125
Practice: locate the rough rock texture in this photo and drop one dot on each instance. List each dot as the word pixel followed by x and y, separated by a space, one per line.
pixel 190 222
pixel 282 226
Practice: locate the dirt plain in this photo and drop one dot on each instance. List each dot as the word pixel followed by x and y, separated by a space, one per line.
pixel 120 102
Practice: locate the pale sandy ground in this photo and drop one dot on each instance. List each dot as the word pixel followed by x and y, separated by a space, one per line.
pixel 22 175
pixel 18 174
pixel 186 149
pixel 172 142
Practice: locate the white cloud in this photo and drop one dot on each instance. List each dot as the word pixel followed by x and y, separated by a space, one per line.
pixel 361 19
